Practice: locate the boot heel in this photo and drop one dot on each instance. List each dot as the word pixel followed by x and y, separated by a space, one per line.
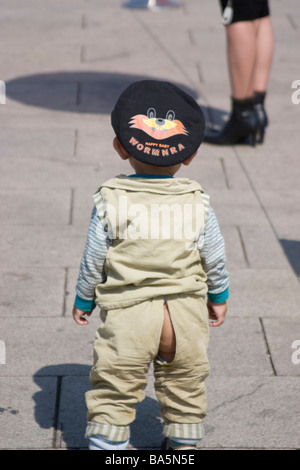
pixel 260 135
pixel 252 139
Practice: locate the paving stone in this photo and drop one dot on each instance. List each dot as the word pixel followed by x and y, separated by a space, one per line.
pixel 237 207
pixel 208 172
pixel 283 336
pixel 32 292
pixel 54 246
pixel 35 207
pixel 262 248
pixel 27 412
pixel 283 208
pixel 44 174
pixel 96 146
pixel 56 144
pixel 252 413
pixel 237 348
pixel 235 252
pixel 265 293
pixel 33 346
pixel 277 160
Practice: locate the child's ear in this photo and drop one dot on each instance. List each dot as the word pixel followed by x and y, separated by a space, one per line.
pixel 120 149
pixel 188 161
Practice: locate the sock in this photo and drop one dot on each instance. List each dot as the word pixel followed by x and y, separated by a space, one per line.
pixel 178 441
pixel 98 442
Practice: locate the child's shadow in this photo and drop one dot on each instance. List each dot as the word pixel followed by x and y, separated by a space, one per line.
pixel 60 405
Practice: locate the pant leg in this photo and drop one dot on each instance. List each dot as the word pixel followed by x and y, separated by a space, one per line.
pixel 180 384
pixel 125 344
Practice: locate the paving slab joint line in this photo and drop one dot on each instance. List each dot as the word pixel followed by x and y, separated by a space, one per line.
pixel 243 246
pixel 84 22
pixel 78 93
pixel 71 207
pixel 223 165
pixel 65 294
pixel 75 143
pixel 292 21
pixel 56 431
pixel 267 346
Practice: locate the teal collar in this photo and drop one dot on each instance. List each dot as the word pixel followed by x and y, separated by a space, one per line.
pixel 150 176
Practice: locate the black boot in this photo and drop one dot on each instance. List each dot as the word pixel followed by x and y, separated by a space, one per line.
pixel 242 125
pixel 261 115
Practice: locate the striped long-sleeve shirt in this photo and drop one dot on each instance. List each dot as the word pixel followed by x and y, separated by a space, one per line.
pixel 91 272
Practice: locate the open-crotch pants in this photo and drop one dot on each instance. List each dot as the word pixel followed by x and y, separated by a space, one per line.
pixel 126 342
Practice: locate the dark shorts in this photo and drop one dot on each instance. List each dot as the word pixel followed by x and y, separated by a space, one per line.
pixel 247 10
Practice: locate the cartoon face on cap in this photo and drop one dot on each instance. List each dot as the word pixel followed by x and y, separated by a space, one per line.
pixel 158 123
pixel 157 127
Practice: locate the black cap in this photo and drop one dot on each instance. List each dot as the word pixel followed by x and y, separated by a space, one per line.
pixel 158 123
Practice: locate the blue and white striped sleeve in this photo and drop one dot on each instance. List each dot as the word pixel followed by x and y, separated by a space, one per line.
pixel 91 271
pixel 212 251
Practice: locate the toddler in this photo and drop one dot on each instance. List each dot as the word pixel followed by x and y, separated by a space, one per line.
pixel 155 265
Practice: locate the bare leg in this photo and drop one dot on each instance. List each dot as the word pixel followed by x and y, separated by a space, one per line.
pixel 250 47
pixel 264 54
pixel 241 54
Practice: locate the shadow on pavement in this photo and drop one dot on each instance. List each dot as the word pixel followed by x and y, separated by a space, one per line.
pixel 87 92
pixel 80 92
pixel 292 251
pixel 60 406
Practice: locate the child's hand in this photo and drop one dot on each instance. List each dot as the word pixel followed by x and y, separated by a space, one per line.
pixel 217 313
pixel 78 316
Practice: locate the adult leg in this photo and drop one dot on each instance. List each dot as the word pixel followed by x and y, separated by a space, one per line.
pixel 262 69
pixel 241 50
pixel 241 55
pixel 264 44
pixel 250 47
pixel 250 44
